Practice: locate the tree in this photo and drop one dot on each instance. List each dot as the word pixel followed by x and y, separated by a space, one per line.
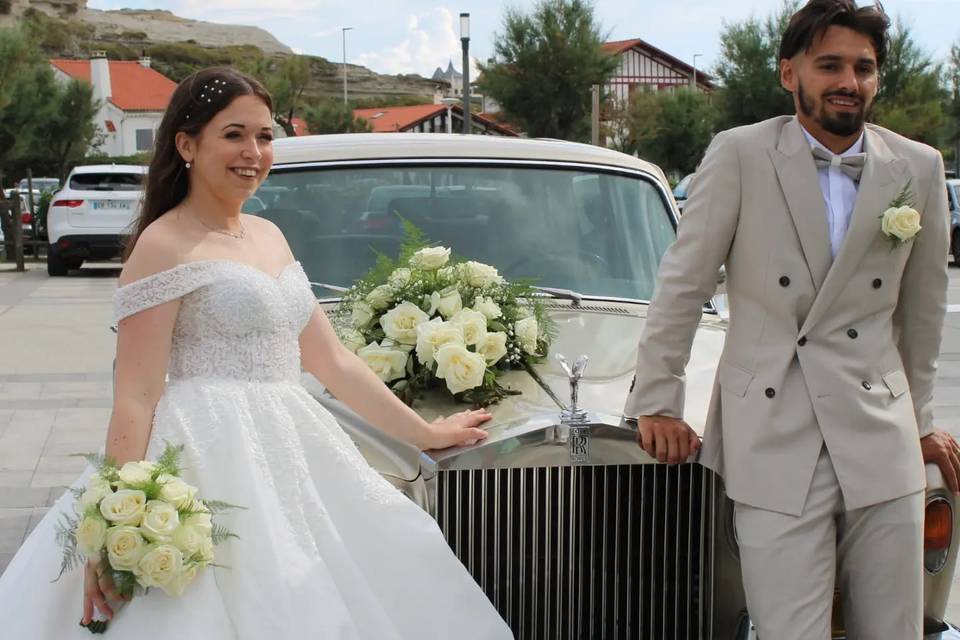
pixel 749 69
pixel 69 129
pixel 332 116
pixel 543 67
pixel 285 79
pixel 911 99
pixel 670 129
pixel 953 108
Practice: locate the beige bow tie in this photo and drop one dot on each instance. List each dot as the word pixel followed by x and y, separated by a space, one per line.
pixel 851 165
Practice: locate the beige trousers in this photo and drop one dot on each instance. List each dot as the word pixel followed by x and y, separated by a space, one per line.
pixel 874 556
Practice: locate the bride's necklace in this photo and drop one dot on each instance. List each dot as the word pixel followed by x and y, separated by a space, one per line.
pixel 232 234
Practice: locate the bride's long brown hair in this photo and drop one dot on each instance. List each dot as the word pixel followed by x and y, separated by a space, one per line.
pixel 194 103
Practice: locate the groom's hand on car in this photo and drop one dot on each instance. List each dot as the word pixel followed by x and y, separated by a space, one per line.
pixel 669 440
pixel 942 449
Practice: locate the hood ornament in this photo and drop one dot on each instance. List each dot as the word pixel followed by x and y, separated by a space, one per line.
pixel 573 416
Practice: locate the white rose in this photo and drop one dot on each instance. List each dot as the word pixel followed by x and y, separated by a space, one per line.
pixel 430 258
pixel 448 303
pixel 175 491
pixel 461 369
pixel 901 222
pixel 399 278
pixel 159 567
pixel 400 323
pixel 188 539
pixel 125 546
pixel 353 340
pixel 447 273
pixel 487 307
pixel 389 364
pixel 474 325
pixel 200 521
pixel 478 274
pixel 433 335
pixel 135 473
pixel 97 489
pixel 206 550
pixel 362 314
pixel 187 575
pixel 91 534
pixel 380 297
pixel 160 520
pixel 124 507
pixel 527 331
pixel 492 347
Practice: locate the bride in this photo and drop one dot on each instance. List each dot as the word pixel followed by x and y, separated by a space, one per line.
pixel 212 301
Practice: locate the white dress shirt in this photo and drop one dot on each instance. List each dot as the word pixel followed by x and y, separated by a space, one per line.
pixel 839 193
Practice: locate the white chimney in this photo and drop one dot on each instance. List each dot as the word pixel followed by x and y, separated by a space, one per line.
pixel 100 76
pixel 145 61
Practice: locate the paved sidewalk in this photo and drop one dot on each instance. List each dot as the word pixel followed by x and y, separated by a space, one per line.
pixel 55 388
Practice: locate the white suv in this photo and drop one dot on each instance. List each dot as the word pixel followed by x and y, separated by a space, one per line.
pixel 90 217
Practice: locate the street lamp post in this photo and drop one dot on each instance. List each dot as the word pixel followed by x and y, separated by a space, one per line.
pixel 343 33
pixel 465 43
pixel 449 102
pixel 693 80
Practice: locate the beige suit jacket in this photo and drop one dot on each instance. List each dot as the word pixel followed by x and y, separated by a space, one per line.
pixel 841 351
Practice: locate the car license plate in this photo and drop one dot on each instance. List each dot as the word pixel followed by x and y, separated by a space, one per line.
pixel 110 204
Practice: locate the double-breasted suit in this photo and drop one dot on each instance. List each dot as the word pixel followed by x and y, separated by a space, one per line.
pixel 823 354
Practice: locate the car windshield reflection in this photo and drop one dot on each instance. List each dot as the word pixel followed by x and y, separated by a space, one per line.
pixel 599 234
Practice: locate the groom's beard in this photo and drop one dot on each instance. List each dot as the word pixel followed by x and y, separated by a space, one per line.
pixel 842 124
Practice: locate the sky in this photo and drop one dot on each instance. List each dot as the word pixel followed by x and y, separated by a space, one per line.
pixel 417 36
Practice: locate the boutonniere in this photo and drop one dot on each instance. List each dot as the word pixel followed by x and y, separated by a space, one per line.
pixel 900 222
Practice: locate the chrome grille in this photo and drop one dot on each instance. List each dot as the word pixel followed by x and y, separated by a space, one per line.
pixel 589 551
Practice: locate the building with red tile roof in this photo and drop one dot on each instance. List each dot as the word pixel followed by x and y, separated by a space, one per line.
pixel 645 67
pixel 427 118
pixel 132 95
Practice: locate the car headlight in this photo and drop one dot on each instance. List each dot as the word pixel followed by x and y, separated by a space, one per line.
pixel 937 534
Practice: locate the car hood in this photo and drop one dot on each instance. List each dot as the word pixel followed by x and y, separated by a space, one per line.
pixel 605 332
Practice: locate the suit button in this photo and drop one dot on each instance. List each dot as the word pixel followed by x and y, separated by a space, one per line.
pixel 770 392
pixel 866 385
pixel 802 341
pixel 784 281
pixel 852 333
pixel 877 283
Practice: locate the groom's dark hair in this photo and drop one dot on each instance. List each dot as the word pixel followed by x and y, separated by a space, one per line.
pixel 811 22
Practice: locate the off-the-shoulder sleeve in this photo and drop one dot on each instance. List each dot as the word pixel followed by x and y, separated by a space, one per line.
pixel 159 288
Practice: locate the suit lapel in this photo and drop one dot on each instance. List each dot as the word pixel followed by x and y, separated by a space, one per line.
pixel 879 184
pixel 801 188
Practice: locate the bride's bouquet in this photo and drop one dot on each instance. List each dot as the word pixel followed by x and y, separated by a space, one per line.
pixel 147 527
pixel 427 319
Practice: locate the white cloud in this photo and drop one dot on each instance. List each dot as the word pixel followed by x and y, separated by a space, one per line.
pixel 430 41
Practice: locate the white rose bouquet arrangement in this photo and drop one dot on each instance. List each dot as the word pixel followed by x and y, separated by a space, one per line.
pixel 427 319
pixel 146 525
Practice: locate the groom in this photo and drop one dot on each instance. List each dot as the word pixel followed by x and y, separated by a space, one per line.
pixel 821 416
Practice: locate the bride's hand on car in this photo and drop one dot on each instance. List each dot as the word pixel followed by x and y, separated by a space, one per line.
pixel 458 430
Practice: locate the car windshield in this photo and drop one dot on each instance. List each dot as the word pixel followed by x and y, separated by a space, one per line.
pixel 39 184
pixel 106 181
pixel 596 233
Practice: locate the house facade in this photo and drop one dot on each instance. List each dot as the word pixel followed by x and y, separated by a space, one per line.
pixel 643 67
pixel 132 96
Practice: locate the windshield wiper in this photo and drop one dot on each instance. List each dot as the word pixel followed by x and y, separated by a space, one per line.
pixel 565 294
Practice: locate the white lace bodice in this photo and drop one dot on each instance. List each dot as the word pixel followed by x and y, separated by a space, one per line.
pixel 235 321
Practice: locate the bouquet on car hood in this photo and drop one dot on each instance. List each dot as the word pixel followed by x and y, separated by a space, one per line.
pixel 427 319
pixel 145 524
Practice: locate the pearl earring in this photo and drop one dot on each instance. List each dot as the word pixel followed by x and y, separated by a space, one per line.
pixel 188 165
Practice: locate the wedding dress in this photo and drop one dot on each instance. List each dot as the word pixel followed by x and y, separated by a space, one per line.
pixel 328 549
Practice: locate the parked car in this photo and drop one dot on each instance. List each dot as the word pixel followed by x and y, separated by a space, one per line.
pixel 90 217
pixel 953 202
pixel 680 191
pixel 39 184
pixel 572 534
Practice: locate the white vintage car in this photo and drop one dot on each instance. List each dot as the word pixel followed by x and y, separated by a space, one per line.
pixel 572 531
